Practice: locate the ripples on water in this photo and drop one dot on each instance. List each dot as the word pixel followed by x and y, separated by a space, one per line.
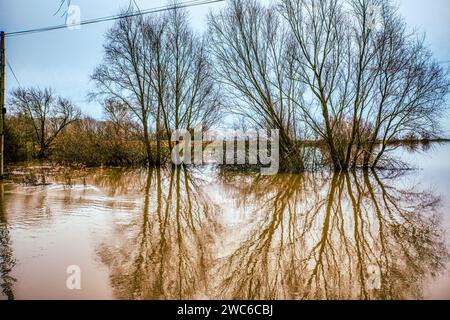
pixel 202 233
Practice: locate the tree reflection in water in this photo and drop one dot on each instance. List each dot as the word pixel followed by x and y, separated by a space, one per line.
pixel 321 238
pixel 344 236
pixel 171 252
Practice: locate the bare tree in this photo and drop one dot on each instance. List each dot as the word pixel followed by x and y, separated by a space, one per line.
pixel 117 114
pixel 123 76
pixel 250 48
pixel 184 88
pixel 157 67
pixel 368 83
pixel 49 115
pixel 409 92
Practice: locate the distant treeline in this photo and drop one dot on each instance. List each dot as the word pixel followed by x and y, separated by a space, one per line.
pixel 85 142
pixel 349 74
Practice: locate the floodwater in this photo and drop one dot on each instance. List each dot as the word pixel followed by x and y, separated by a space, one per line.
pixel 201 233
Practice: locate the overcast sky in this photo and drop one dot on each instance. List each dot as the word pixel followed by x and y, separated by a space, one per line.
pixel 64 59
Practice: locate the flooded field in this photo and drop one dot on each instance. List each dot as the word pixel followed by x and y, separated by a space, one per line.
pixel 202 233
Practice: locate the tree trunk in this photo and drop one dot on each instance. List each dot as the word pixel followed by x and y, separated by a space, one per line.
pixel 148 147
pixel 158 135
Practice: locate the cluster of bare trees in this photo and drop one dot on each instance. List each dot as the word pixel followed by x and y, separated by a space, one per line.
pixel 370 83
pixel 45 113
pixel 355 80
pixel 45 126
pixel 158 69
pixel 331 71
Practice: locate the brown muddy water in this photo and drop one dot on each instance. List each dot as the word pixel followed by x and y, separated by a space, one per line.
pixel 201 233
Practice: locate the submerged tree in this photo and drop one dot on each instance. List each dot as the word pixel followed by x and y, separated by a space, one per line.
pixel 370 80
pixel 47 114
pixel 122 75
pixel 192 96
pixel 253 61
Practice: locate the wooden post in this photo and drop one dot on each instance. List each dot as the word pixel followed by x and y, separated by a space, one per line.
pixel 2 106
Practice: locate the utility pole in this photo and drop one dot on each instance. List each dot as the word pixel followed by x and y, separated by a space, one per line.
pixel 2 106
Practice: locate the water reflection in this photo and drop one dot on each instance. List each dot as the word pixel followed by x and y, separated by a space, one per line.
pixel 312 236
pixel 331 238
pixel 169 247
pixel 7 261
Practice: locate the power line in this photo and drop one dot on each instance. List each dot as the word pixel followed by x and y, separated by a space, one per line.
pixel 187 4
pixel 13 73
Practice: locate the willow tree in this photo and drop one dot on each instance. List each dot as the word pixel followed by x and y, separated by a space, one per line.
pixel 369 79
pixel 253 62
